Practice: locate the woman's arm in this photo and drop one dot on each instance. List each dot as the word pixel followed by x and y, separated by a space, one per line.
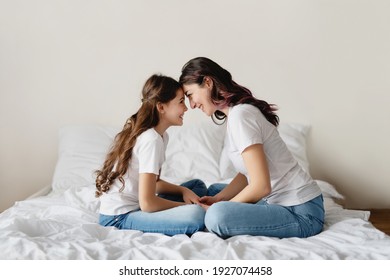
pixel 235 186
pixel 260 183
pixel 148 200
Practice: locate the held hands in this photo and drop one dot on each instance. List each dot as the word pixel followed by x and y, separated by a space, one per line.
pixel 207 201
pixel 190 197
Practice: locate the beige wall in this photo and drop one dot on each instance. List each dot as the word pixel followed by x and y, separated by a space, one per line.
pixel 326 63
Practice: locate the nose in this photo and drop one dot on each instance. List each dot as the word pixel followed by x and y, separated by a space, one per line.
pixel 192 104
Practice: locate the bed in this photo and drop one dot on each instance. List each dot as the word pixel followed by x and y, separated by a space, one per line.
pixel 61 222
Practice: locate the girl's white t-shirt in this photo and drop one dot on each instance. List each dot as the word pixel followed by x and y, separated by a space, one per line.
pixel 290 184
pixel 147 157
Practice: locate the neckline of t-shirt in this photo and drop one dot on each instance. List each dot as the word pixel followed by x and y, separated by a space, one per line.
pixel 162 136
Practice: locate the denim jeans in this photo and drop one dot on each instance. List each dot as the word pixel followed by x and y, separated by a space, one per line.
pixel 227 218
pixel 185 219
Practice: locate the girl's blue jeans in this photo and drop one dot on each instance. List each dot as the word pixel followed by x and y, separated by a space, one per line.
pixel 262 219
pixel 186 219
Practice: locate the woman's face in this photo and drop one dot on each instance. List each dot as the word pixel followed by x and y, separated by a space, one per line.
pixel 175 109
pixel 200 97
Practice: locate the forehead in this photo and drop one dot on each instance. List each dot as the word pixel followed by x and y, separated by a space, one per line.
pixel 190 87
pixel 179 93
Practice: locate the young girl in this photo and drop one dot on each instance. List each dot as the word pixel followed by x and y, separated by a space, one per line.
pixel 129 180
pixel 271 195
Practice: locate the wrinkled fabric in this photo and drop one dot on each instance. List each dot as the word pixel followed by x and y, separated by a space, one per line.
pixel 64 225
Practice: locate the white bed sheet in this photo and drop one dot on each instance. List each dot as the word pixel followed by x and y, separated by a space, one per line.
pixel 63 225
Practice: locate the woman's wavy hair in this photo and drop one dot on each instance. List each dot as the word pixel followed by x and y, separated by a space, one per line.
pixel 157 89
pixel 225 91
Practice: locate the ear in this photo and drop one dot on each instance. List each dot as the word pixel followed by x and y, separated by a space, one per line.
pixel 160 107
pixel 208 82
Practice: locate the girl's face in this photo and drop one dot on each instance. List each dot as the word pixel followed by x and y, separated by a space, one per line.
pixel 200 97
pixel 174 109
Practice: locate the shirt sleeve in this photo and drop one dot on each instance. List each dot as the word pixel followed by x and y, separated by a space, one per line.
pixel 245 127
pixel 151 156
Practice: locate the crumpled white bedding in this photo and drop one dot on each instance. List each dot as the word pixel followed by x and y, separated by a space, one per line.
pixel 63 225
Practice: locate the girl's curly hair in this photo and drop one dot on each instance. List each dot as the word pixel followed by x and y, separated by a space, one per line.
pixel 157 89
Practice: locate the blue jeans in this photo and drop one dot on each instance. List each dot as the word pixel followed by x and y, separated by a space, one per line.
pixel 186 219
pixel 227 218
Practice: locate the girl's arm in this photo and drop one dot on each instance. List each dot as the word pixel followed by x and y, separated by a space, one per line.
pixel 148 200
pixel 260 183
pixel 188 195
pixel 163 187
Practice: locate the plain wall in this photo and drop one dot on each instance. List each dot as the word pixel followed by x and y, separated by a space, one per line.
pixel 324 63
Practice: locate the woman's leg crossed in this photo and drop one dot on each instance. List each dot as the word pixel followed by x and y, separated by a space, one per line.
pixel 232 218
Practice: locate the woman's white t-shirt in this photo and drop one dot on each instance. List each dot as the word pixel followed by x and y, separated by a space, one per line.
pixel 290 184
pixel 147 157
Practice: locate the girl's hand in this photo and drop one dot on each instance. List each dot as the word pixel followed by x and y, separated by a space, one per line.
pixel 189 196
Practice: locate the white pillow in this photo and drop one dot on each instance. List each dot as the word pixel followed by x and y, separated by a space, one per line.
pixel 82 150
pixel 293 134
pixel 193 152
pixel 329 190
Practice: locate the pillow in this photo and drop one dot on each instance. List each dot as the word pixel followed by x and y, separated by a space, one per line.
pixel 193 152
pixel 82 150
pixel 329 190
pixel 293 134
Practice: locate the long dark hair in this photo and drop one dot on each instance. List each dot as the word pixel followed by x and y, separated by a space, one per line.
pixel 225 91
pixel 157 89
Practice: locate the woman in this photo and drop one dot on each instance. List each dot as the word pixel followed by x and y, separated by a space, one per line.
pixel 271 195
pixel 129 180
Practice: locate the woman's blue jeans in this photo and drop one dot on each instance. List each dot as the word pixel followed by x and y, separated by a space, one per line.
pixel 227 218
pixel 186 219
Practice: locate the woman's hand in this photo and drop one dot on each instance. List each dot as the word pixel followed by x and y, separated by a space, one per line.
pixel 204 206
pixel 208 200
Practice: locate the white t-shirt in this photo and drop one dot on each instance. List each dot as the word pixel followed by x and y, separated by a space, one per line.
pixel 147 157
pixel 290 184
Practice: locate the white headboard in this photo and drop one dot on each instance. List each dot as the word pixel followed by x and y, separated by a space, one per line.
pixel 325 63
